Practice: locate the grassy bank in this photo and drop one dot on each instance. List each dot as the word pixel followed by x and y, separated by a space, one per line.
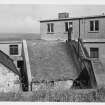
pixel 97 95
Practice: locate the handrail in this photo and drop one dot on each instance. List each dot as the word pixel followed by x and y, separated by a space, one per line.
pixel 86 55
pixel 8 62
pixel 84 60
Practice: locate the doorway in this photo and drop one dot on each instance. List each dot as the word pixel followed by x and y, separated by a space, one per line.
pixel 24 78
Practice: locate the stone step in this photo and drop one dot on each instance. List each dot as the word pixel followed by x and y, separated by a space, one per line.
pixel 99 73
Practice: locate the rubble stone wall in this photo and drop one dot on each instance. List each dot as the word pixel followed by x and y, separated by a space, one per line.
pixel 9 81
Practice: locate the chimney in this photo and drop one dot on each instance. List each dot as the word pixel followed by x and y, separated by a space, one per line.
pixel 63 15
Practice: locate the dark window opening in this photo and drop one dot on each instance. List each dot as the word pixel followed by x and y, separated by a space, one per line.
pixel 91 26
pixel 94 52
pixel 50 27
pixel 23 73
pixel 13 49
pixel 66 26
pixel 20 64
pixel 96 25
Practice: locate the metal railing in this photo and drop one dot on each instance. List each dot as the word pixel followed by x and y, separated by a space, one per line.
pixel 84 60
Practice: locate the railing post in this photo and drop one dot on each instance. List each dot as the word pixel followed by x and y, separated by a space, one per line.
pixel 78 47
pixel 31 86
pixel 79 37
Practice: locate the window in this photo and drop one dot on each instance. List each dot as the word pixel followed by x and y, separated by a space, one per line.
pixel 13 49
pixel 20 64
pixel 67 25
pixel 94 25
pixel 94 52
pixel 50 27
pixel 91 26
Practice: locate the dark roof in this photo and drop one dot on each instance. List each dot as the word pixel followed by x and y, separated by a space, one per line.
pixel 8 62
pixel 74 18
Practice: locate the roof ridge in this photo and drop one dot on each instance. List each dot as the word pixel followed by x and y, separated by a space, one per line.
pixel 81 17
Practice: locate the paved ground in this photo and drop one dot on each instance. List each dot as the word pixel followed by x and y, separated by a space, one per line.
pixel 50 60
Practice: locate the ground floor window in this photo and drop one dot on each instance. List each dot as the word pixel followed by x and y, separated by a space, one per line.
pixel 20 63
pixel 94 52
pixel 13 49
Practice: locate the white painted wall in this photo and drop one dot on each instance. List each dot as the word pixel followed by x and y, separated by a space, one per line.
pixel 59 29
pixel 5 48
pixel 93 35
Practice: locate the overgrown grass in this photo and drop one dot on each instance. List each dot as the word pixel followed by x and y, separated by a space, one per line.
pixel 49 60
pixel 85 95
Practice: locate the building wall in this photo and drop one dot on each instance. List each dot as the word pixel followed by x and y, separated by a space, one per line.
pixel 5 48
pixel 85 29
pixel 101 47
pixel 59 29
pixel 85 33
pixel 9 82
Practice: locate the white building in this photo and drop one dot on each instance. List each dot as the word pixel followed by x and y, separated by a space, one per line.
pixel 12 55
pixel 91 29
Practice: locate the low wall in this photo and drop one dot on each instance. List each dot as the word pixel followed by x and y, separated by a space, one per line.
pixel 56 85
pixel 9 81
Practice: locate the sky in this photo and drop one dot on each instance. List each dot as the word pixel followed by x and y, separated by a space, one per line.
pixel 24 18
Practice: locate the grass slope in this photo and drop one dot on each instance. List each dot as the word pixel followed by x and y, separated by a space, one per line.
pixel 86 95
pixel 50 60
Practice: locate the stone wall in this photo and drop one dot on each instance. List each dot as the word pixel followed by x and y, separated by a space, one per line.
pixel 54 85
pixel 9 81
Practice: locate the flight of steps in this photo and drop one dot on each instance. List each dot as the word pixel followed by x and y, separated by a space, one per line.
pixel 99 72
pixel 95 67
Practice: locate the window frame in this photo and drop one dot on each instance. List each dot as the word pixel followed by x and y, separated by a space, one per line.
pixel 94 25
pixel 13 49
pixel 94 51
pixel 50 28
pixel 67 25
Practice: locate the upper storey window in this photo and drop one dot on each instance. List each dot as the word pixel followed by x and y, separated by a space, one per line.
pixel 94 25
pixel 50 27
pixel 67 25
